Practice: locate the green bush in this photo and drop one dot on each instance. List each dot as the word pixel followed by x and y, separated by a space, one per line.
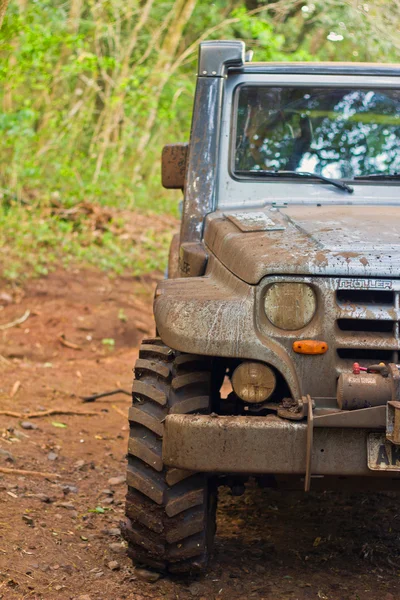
pixel 91 90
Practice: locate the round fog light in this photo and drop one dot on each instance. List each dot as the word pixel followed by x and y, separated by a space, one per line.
pixel 253 382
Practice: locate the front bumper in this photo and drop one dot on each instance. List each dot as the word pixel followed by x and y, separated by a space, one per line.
pixel 268 445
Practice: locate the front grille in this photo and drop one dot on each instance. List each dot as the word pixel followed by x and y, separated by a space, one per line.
pixel 367 323
pixel 366 326
pixel 363 354
pixel 365 297
pixel 358 318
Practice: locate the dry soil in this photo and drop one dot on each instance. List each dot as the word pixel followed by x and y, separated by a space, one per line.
pixel 59 536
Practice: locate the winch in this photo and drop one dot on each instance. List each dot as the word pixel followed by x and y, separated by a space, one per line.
pixel 375 385
pixel 368 397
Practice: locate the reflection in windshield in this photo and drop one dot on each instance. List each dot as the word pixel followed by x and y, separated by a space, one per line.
pixel 336 132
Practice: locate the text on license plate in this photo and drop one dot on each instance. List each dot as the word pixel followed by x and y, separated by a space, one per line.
pixel 382 454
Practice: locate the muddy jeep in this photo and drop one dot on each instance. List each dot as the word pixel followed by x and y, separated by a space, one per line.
pixel 278 348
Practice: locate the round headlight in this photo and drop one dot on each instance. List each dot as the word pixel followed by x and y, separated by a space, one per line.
pixel 290 306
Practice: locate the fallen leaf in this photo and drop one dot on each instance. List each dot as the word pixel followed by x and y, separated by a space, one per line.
pixel 122 316
pixel 60 425
pixel 99 510
pixel 15 389
pixel 317 542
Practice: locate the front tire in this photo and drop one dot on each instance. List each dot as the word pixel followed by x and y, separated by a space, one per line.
pixel 170 513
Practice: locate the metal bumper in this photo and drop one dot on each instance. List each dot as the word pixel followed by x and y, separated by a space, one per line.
pixel 252 445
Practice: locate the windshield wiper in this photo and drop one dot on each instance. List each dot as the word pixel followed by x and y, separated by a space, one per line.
pixel 339 184
pixel 379 176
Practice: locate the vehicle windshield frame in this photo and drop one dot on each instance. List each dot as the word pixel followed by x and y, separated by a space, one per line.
pixel 232 192
pixel 263 175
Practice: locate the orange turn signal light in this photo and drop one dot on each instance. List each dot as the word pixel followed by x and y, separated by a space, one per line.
pixel 310 347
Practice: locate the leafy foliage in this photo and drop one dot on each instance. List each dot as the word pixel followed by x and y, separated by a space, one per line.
pixel 92 89
pixel 34 241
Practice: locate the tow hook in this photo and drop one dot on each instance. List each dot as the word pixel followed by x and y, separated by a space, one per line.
pixel 295 410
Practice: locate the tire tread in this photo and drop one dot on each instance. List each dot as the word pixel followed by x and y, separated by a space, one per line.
pixel 167 515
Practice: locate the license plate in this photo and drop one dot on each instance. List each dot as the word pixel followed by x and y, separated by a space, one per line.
pixel 382 454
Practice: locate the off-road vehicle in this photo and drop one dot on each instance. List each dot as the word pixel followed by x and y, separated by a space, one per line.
pixel 278 325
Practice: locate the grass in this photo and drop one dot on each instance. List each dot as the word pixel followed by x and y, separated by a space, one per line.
pixel 34 241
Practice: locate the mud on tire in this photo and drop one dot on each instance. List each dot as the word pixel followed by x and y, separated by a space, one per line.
pixel 170 513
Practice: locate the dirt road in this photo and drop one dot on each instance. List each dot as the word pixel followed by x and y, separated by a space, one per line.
pixel 59 536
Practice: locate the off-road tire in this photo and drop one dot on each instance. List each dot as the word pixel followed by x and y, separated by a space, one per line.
pixel 170 513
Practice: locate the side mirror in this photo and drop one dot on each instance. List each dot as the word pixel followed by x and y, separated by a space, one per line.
pixel 173 166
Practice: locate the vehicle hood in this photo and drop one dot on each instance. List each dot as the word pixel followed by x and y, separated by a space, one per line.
pixel 355 241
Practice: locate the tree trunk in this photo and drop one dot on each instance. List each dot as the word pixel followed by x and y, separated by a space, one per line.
pixel 74 15
pixel 113 114
pixel 3 8
pixel 162 70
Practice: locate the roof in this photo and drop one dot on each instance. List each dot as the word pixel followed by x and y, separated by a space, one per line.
pixel 320 68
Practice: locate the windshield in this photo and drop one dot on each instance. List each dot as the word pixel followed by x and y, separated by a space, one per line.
pixel 340 133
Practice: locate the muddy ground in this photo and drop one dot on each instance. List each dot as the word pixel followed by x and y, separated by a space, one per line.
pixel 59 536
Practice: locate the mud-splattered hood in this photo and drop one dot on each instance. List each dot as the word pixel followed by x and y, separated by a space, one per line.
pixel 356 241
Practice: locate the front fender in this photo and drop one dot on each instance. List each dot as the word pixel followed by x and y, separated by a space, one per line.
pixel 214 315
